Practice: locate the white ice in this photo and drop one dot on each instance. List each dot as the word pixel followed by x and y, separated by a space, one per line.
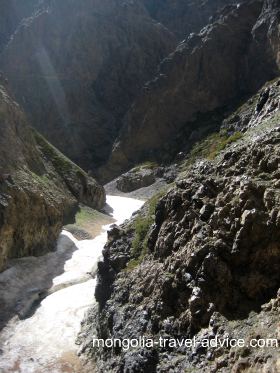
pixel 42 342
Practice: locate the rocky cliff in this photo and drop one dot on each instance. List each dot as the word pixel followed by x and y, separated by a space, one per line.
pixel 39 187
pixel 87 74
pixel 108 84
pixel 184 17
pixel 231 57
pixel 202 260
pixel 77 66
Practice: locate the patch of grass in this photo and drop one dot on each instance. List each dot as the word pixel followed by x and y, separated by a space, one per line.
pixel 85 215
pixel 44 179
pixel 62 164
pixel 132 264
pixel 210 147
pixel 146 165
pixel 89 221
pixel 142 226
pixel 218 146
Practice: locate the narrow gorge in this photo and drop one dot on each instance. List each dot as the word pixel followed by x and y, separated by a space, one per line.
pixel 139 186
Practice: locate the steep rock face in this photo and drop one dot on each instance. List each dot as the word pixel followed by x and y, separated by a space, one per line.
pixel 213 264
pixel 184 17
pixel 77 66
pixel 39 187
pixel 265 48
pixel 12 12
pixel 226 60
pixel 6 21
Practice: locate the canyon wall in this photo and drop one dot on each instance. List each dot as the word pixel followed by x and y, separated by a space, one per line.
pixel 77 68
pixel 229 59
pixel 200 260
pixel 39 187
pixel 12 13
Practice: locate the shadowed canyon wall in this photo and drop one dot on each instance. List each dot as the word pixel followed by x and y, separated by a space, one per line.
pixel 227 60
pixel 39 187
pixel 78 67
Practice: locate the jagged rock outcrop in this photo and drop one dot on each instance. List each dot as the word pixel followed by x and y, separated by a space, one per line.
pixel 228 59
pixel 39 187
pixel 76 67
pixel 212 268
pixel 257 109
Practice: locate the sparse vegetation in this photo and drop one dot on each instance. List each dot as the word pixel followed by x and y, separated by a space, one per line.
pixel 43 180
pixel 225 140
pixel 146 165
pixel 89 222
pixel 210 147
pixel 142 226
pixel 133 264
pixel 62 164
pixel 85 215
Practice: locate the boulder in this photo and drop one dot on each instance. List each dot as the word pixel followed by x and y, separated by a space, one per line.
pixel 134 180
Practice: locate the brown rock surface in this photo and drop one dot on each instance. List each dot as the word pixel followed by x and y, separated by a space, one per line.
pixel 39 187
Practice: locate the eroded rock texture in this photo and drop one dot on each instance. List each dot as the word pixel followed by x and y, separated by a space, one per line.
pixel 212 268
pixel 184 17
pixel 39 187
pixel 231 57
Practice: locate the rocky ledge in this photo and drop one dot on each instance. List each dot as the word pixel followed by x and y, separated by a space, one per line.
pixel 144 176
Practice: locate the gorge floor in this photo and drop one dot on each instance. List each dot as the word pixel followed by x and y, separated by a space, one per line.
pixel 45 341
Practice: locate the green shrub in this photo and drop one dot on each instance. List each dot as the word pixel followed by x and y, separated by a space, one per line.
pixel 133 264
pixel 142 226
pixel 139 244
